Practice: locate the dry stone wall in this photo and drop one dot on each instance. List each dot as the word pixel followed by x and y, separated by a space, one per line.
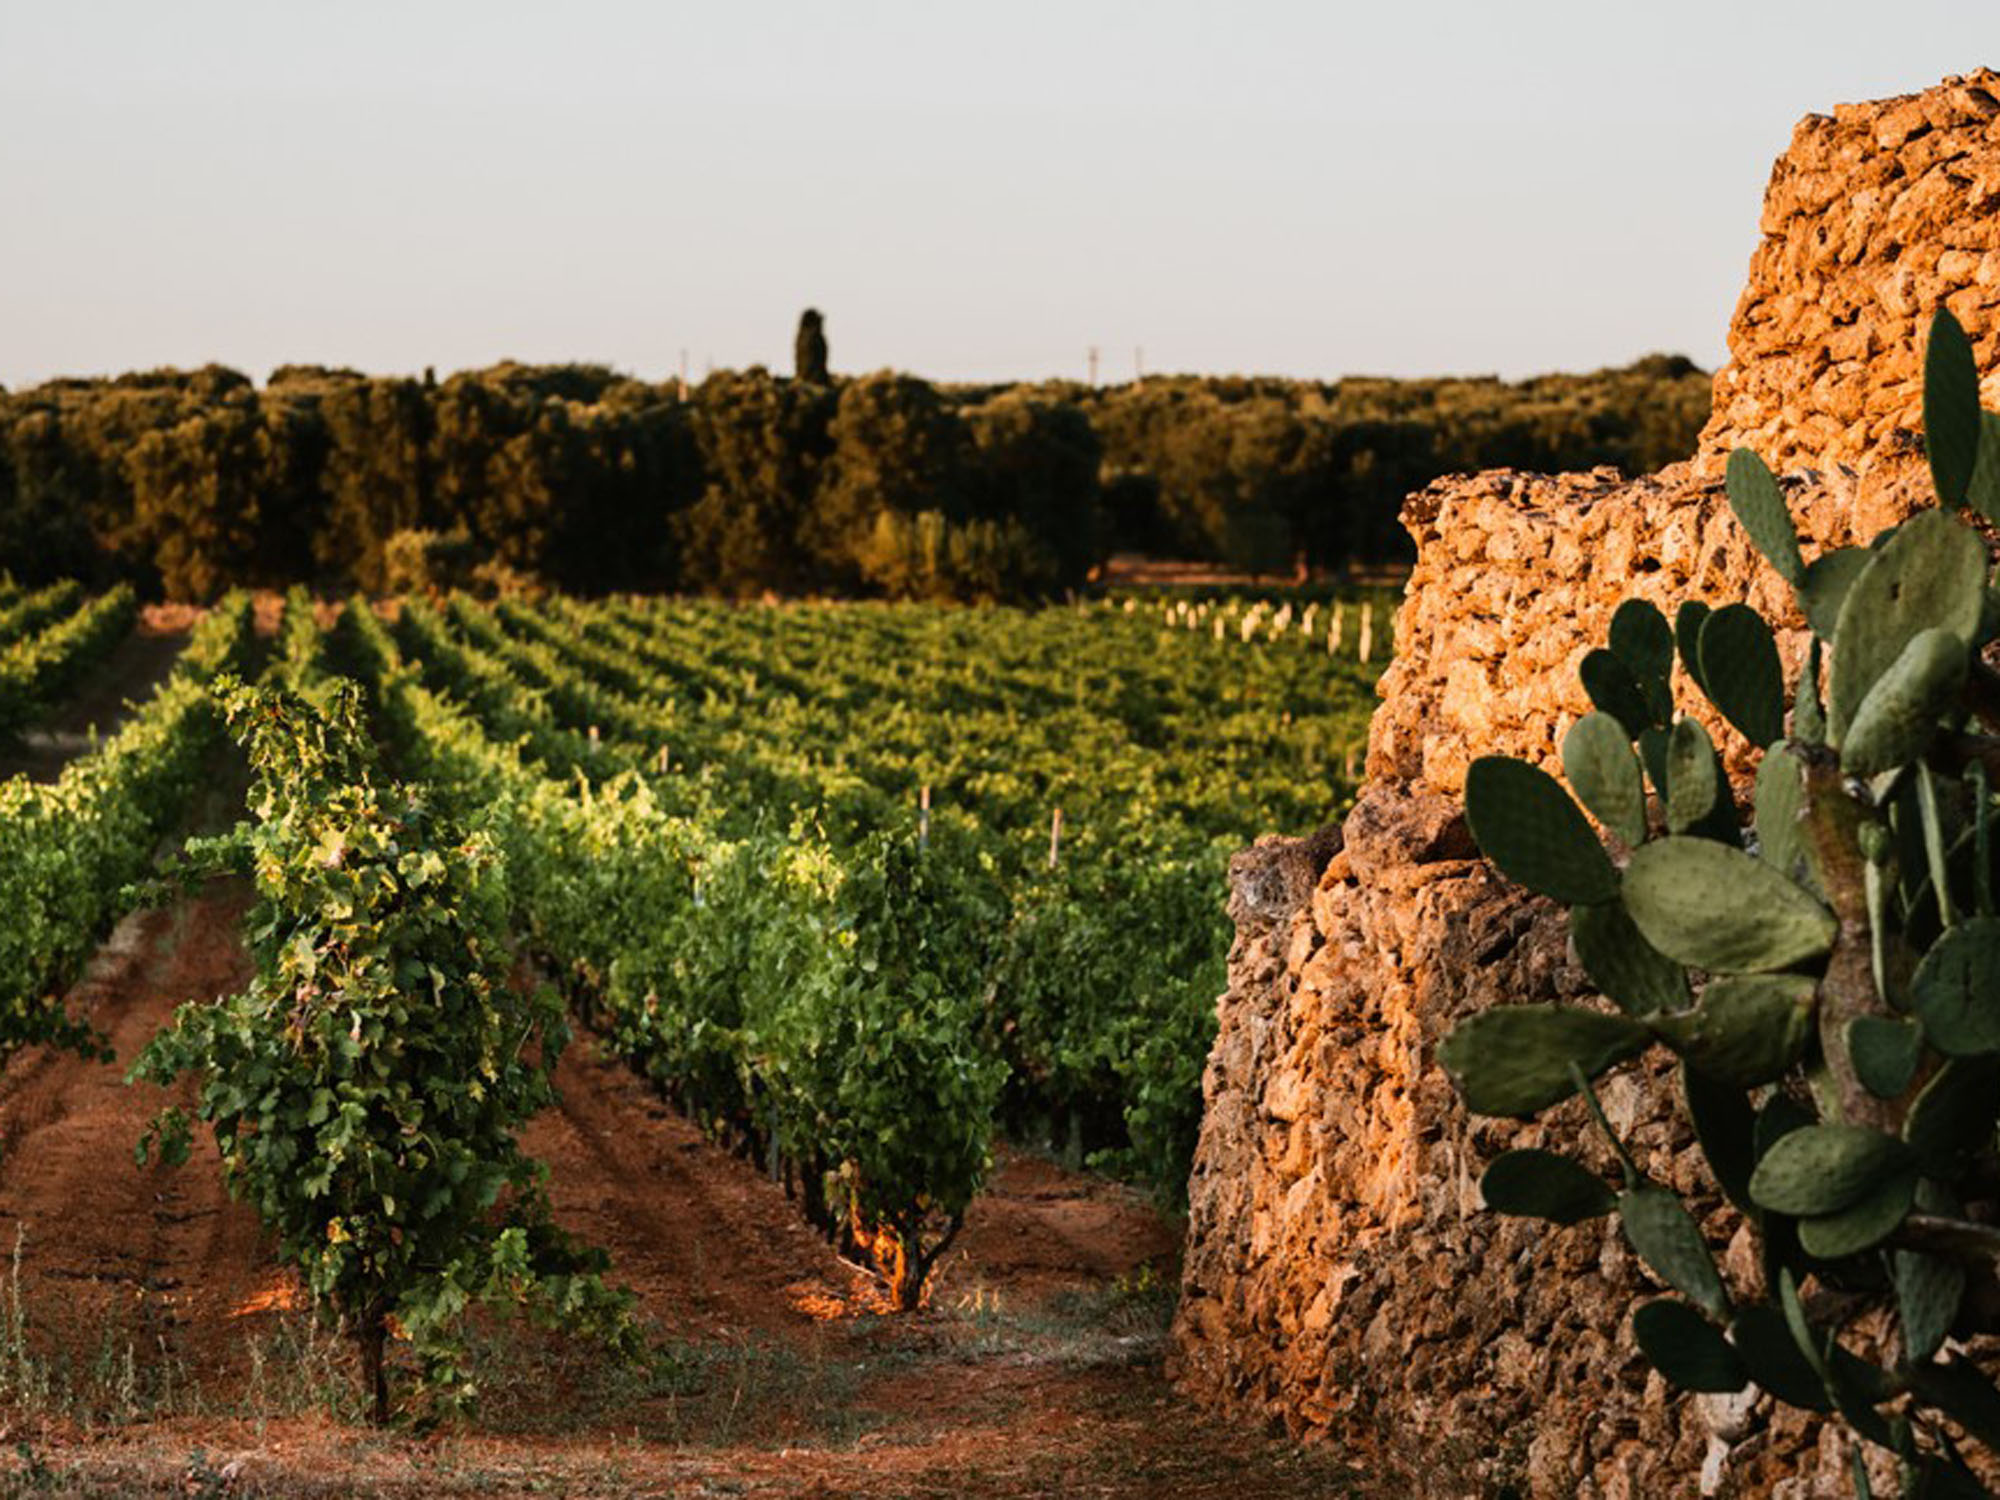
pixel 1341 1279
pixel 1875 215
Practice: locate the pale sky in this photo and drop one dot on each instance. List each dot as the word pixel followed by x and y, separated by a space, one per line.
pixel 966 191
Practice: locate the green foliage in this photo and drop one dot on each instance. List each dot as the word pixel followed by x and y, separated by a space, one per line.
pixel 366 1088
pixel 736 798
pixel 1518 1059
pixel 1929 575
pixel 1599 761
pixel 1687 1348
pixel 224 498
pixel 1841 1060
pixel 38 669
pixel 900 477
pixel 1527 825
pixel 193 481
pixel 73 845
pixel 1543 1185
pixel 1740 672
pixel 426 562
pixel 1715 907
pixel 761 445
pixel 23 613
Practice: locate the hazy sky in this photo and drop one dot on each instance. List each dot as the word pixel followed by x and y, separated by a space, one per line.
pixel 967 191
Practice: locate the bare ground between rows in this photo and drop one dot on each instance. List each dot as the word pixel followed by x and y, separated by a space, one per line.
pixel 160 1349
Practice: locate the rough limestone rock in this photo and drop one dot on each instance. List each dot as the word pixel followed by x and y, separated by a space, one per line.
pixel 1874 216
pixel 1341 1279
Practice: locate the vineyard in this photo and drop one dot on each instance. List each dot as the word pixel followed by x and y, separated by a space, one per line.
pixel 871 896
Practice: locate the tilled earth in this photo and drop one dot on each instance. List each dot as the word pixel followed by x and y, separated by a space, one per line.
pixel 150 1343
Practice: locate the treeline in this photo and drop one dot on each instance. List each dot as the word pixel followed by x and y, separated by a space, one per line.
pixel 186 483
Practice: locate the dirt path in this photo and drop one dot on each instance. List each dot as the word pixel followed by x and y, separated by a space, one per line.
pixel 164 1354
pixel 113 1255
pixel 135 667
pixel 711 1248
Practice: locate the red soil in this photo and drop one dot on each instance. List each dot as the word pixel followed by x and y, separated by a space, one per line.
pixel 164 1354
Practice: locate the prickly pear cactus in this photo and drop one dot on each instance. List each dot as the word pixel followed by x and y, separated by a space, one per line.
pixel 1828 976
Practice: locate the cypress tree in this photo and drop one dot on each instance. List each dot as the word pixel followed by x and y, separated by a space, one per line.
pixel 809 351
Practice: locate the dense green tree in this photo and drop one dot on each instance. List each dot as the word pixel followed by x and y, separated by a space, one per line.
pixel 45 522
pixel 1040 463
pixel 186 480
pixel 377 479
pixel 227 496
pixel 899 451
pixel 761 444
pixel 632 465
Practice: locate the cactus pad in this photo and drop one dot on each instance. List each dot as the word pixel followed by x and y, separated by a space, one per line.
pixel 1670 1243
pixel 1602 768
pixel 1741 674
pixel 1781 801
pixel 1865 1223
pixel 1642 639
pixel 1775 1360
pixel 1726 1126
pixel 1823 1169
pixel 1629 971
pixel 1953 1115
pixel 1526 824
pixel 1688 620
pixel 1543 1185
pixel 1825 587
pixel 1956 990
pixel 1516 1059
pixel 1714 907
pixel 1686 1348
pixel 1951 409
pixel 1982 493
pixel 1885 1051
pixel 1900 713
pixel 1747 1031
pixel 1694 776
pixel 1931 575
pixel 1928 1291
pixel 1615 691
pixel 1761 511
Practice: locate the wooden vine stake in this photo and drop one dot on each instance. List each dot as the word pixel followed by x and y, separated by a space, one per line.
pixel 1055 838
pixel 663 760
pixel 1333 631
pixel 924 817
pixel 1367 631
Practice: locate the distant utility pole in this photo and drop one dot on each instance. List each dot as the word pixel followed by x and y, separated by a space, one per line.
pixel 1093 364
pixel 684 374
pixel 1138 364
